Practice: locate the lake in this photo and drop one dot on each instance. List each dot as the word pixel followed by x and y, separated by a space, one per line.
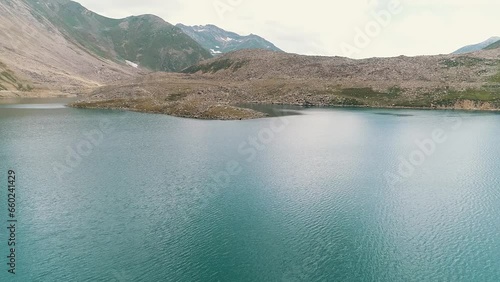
pixel 323 195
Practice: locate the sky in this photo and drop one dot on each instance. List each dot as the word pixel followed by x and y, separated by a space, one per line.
pixel 354 28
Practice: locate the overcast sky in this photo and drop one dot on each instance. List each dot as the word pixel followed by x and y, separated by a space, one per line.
pixel 354 28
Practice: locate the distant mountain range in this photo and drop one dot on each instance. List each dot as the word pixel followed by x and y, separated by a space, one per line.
pixel 485 45
pixel 146 40
pixel 59 44
pixel 219 41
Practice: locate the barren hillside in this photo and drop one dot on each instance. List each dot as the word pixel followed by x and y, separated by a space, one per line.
pixel 450 82
pixel 35 50
pixel 427 72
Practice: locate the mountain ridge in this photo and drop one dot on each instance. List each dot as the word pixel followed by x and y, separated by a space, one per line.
pixel 219 41
pixel 495 45
pixel 62 45
pixel 35 51
pixel 145 39
pixel 477 47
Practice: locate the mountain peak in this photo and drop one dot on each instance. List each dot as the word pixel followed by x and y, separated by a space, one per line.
pixel 219 41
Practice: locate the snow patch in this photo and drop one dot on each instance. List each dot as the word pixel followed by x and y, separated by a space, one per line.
pixel 134 65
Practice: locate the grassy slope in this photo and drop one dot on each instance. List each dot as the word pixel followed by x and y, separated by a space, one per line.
pixel 495 45
pixel 9 81
pixel 147 39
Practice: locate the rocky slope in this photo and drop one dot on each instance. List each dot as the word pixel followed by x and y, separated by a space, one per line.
pixel 35 51
pixel 174 94
pixel 255 76
pixel 415 77
pixel 59 47
pixel 219 41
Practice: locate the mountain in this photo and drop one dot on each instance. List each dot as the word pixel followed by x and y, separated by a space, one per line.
pixel 146 40
pixel 219 41
pixel 214 89
pixel 477 47
pixel 58 46
pixel 495 45
pixel 35 51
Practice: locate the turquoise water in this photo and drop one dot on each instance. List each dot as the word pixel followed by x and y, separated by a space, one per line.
pixel 328 195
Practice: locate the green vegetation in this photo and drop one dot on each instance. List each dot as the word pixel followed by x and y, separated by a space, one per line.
pixel 350 102
pixel 395 91
pixel 181 108
pixel 440 97
pixel 146 40
pixel 8 76
pixel 369 94
pixel 10 81
pixel 418 103
pixel 223 64
pixel 466 62
pixel 495 45
pixel 7 79
pixel 495 78
pixel 361 96
pixel 231 112
pixel 239 65
pixel 448 98
pixel 25 88
pixel 475 95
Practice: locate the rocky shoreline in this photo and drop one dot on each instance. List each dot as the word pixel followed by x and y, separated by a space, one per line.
pixel 232 112
pixel 212 89
pixel 207 112
pixel 37 94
